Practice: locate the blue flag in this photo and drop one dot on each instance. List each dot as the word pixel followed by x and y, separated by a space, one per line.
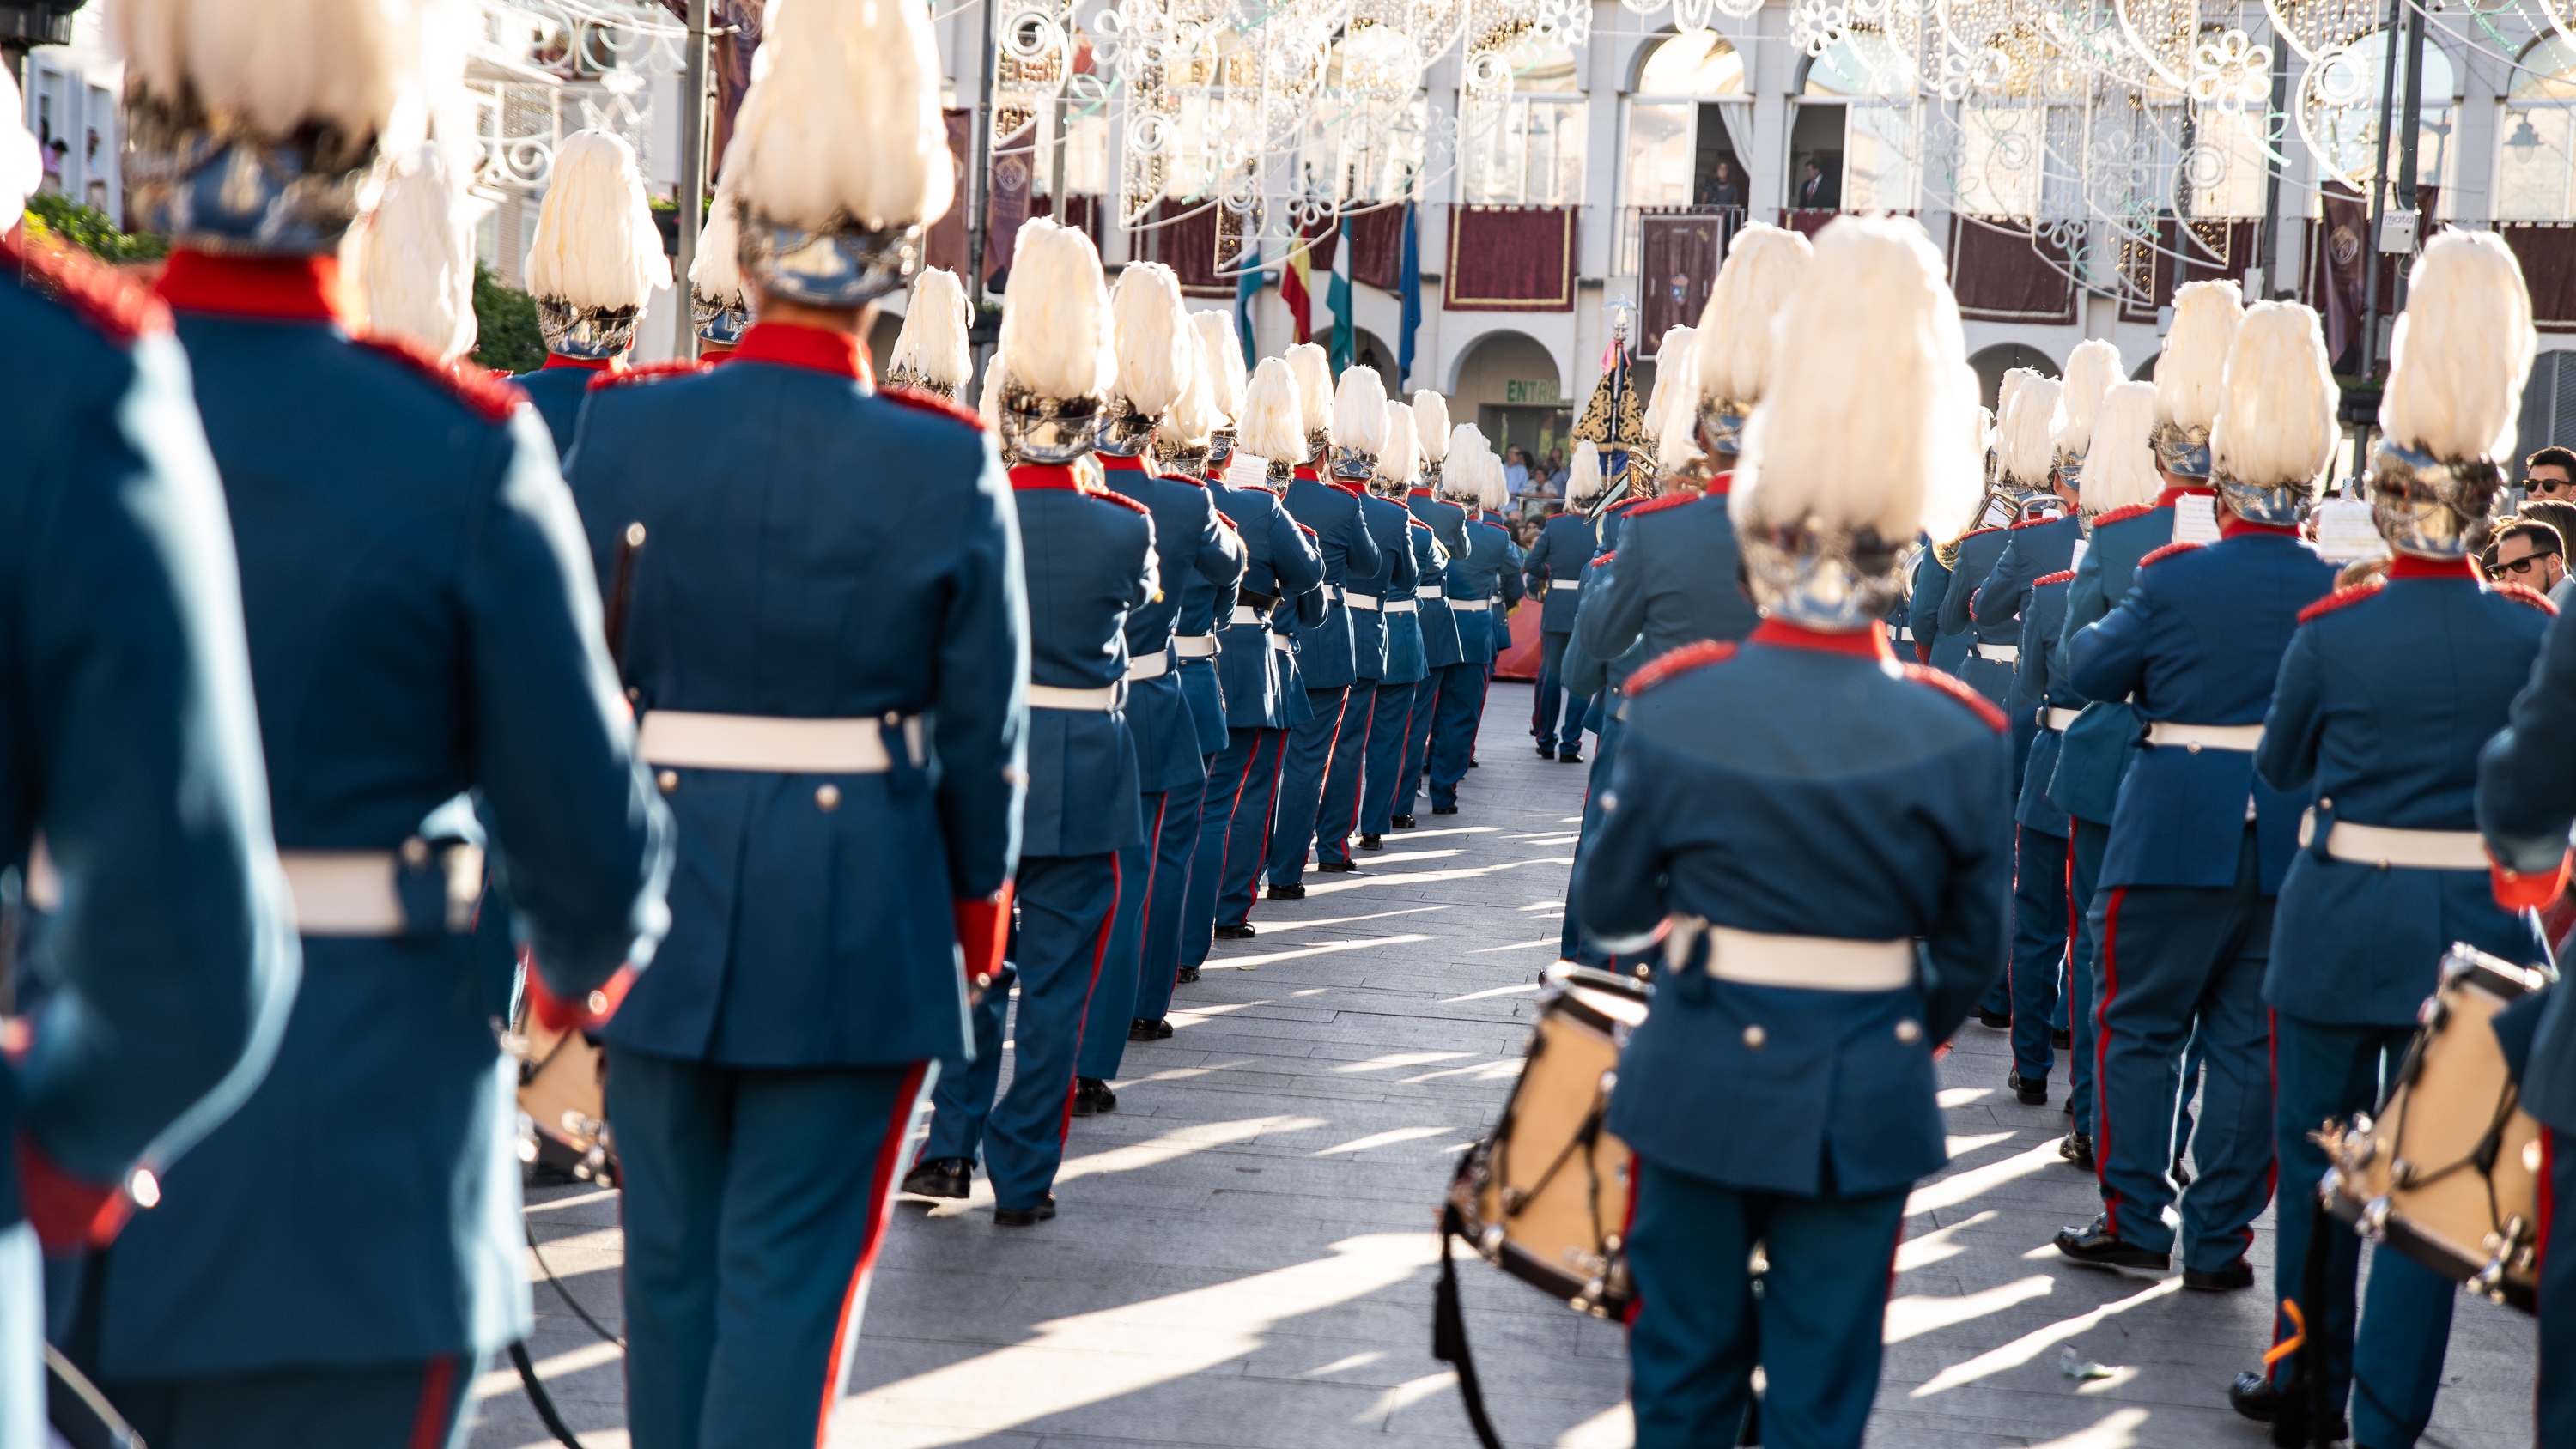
pixel 1247 286
pixel 1408 288
pixel 1337 295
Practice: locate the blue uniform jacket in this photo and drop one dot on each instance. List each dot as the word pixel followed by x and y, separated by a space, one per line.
pixel 1475 576
pixel 1280 562
pixel 1796 790
pixel 2198 640
pixel 2041 685
pixel 1395 577
pixel 1447 524
pixel 1203 605
pixel 1448 520
pixel 1582 672
pixel 1413 638
pixel 2383 700
pixel 1328 649
pixel 1189 544
pixel 815 550
pixel 2526 799
pixel 2032 550
pixel 1978 553
pixel 558 389
pixel 129 738
pixel 2094 755
pixel 1564 546
pixel 1923 613
pixel 1676 581
pixel 1090 563
pixel 422 623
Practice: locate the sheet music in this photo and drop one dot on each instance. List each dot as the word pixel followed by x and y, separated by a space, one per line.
pixel 2195 519
pixel 2081 545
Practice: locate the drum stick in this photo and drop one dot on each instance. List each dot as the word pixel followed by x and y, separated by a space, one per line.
pixel 2548 950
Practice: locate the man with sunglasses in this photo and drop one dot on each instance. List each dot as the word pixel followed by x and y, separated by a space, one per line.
pixel 2551 474
pixel 2530 553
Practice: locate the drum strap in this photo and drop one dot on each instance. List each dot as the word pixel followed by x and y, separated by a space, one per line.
pixel 1449 1333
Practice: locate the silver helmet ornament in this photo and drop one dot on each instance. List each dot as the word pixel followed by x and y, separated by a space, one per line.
pixel 1057 333
pixel 2275 432
pixel 2459 357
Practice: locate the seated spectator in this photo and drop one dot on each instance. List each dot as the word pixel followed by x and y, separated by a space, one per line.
pixel 2530 553
pixel 2550 475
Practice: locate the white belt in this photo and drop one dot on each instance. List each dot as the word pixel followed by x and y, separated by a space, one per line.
pixel 1331 592
pixel 1047 696
pixel 1148 666
pixel 335 892
pixel 2384 845
pixel 1403 606
pixel 1430 591
pixel 1565 583
pixel 2053 718
pixel 1283 642
pixel 2244 739
pixel 2000 653
pixel 1360 601
pixel 1904 635
pixel 1816 963
pixel 1243 615
pixel 1202 646
pixel 764 742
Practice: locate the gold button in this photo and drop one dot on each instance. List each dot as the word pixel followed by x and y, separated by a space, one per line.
pixel 1755 1036
pixel 669 780
pixel 828 797
pixel 2193 749
pixel 1909 1031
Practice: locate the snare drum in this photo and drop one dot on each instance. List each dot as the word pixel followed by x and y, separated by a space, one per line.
pixel 562 1090
pixel 2448 1173
pixel 1545 1198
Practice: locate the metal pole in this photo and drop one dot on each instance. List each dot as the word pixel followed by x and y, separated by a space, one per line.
pixel 1055 179
pixel 2410 131
pixel 979 191
pixel 2378 202
pixel 2268 250
pixel 693 170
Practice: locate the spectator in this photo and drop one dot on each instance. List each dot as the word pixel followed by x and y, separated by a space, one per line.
pixel 1516 473
pixel 1556 473
pixel 1721 187
pixel 2560 516
pixel 1816 190
pixel 2530 553
pixel 2550 475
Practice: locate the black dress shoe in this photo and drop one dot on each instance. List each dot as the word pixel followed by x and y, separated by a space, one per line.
pixel 2077 1147
pixel 1569 757
pixel 1371 842
pixel 2255 1396
pixel 1337 867
pixel 1403 822
pixel 1024 1217
pixel 2000 1021
pixel 2026 1091
pixel 1189 974
pixel 1243 932
pixel 1141 1028
pixel 1293 891
pixel 1091 1097
pixel 1472 765
pixel 2095 1246
pixel 2062 1040
pixel 2236 1275
pixel 1545 752
pixel 1162 1026
pixel 941 1177
pixel 1444 809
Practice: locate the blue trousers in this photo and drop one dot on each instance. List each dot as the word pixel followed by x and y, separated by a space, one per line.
pixel 1065 902
pixel 755 1201
pixel 1551 684
pixel 2039 947
pixel 1814 1329
pixel 1337 814
pixel 2328 1071
pixel 1122 965
pixel 1236 828
pixel 2556 1414
pixel 399 1406
pixel 1571 943
pixel 1453 732
pixel 2173 956
pixel 2083 968
pixel 1417 740
pixel 1390 743
pixel 1174 891
pixel 1313 745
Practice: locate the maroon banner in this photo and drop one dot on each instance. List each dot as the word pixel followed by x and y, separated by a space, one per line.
pixel 2343 242
pixel 1377 245
pixel 948 242
pixel 1509 259
pixel 2547 252
pixel 2002 273
pixel 1187 244
pixel 1679 254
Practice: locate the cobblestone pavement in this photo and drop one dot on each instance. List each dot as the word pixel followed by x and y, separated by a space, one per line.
pixel 1245 1254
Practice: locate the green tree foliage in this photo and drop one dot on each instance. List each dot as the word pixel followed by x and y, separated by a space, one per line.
pixel 67 221
pixel 506 337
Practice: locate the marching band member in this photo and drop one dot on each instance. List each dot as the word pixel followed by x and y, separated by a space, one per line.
pixel 1193 446
pixel 848 793
pixel 717 307
pixel 1158 377
pixel 1089 563
pixel 1359 437
pixel 1443 635
pixel 1554 572
pixel 1413 623
pixel 931 353
pixel 2037 546
pixel 459 651
pixel 1781 1094
pixel 129 743
pixel 2029 458
pixel 2199 843
pixel 2096 747
pixel 1285 600
pixel 1472 476
pixel 596 260
pixel 1336 656
pixel 2392 871
pixel 1929 588
pixel 418 257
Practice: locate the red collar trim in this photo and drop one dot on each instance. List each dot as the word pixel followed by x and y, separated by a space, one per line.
pixel 811 348
pixel 713 351
pixel 1041 477
pixel 1720 485
pixel 276 289
pixel 2234 526
pixel 1136 464
pixel 1417 492
pixel 2407 566
pixel 586 364
pixel 1307 472
pixel 2166 498
pixel 1866 643
pixel 1353 489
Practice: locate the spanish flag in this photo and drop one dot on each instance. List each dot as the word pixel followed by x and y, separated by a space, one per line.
pixel 1294 291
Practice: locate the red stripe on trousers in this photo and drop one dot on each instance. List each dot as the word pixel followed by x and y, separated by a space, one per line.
pixel 2108 951
pixel 1359 775
pixel 1628 1234
pixel 1099 948
pixel 1261 862
pixel 1225 851
pixel 1145 911
pixel 2071 924
pixel 429 1423
pixel 880 1206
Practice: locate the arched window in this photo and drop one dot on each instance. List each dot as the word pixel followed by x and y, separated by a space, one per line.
pixel 1688 122
pixel 2536 136
pixel 1520 142
pixel 2339 111
pixel 1855 141
pixel 1699 63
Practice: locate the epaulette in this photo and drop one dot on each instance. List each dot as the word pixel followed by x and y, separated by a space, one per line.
pixel 1418 523
pixel 2168 551
pixel 487 395
pixel 1975 532
pixel 1669 500
pixel 1678 661
pixel 2528 598
pixel 1602 560
pixel 2123 515
pixel 1301 528
pixel 648 372
pixel 931 402
pixel 1623 506
pixel 1107 495
pixel 1228 522
pixel 111 302
pixel 1956 688
pixel 2062 576
pixel 2344 599
pixel 2036 522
